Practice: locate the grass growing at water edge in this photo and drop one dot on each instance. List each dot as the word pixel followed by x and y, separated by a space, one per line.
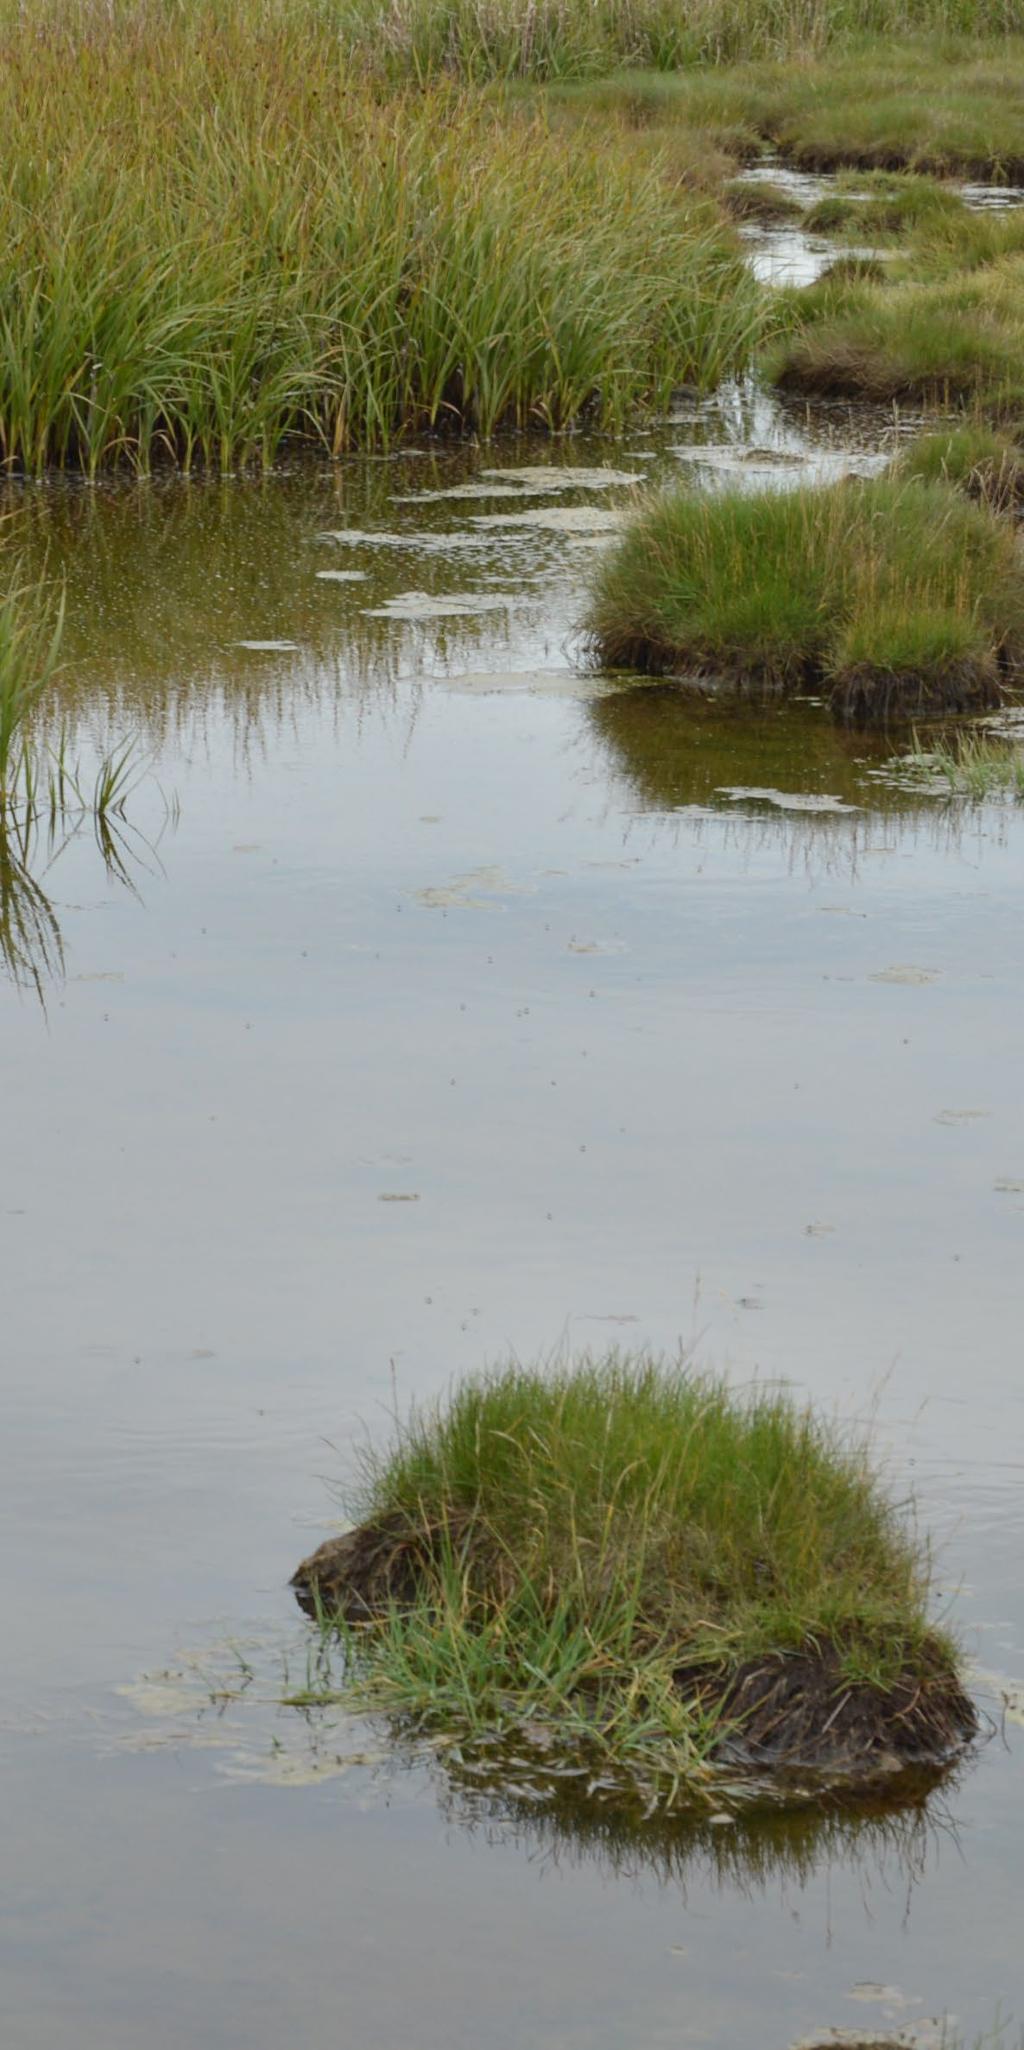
pixel 971 764
pixel 891 596
pixel 632 1555
pixel 222 239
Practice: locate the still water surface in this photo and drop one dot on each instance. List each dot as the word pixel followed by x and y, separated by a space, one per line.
pixel 668 1024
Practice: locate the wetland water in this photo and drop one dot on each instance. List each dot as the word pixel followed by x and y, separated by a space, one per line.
pixel 466 1004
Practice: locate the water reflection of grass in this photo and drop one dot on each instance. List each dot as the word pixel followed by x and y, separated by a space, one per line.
pixel 47 798
pixel 165 581
pixel 567 1820
pixel 782 780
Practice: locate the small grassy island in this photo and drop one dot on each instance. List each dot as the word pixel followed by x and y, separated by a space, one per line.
pixel 894 596
pixel 631 1559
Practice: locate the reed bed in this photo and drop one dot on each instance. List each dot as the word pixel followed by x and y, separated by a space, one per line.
pixel 478 41
pixel 213 239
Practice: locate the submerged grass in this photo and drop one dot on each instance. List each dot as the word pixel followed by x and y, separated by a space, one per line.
pixel 214 237
pixel 893 596
pixel 619 1550
pixel 974 765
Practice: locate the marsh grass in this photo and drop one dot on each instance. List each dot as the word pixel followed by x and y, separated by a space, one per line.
pixel 974 765
pixel 762 202
pixel 892 596
pixel 977 459
pixel 883 206
pixel 889 99
pixel 954 339
pixel 215 239
pixel 941 326
pixel 603 1549
pixel 560 40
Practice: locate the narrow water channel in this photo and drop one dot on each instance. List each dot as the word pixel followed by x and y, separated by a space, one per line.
pixel 451 1001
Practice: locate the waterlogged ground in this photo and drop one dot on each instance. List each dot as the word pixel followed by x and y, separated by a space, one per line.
pixel 464 1002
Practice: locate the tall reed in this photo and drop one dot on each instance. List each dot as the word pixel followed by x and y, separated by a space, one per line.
pixel 483 40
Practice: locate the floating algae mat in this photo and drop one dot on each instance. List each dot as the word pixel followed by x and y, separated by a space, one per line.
pixel 638 1564
pixel 892 596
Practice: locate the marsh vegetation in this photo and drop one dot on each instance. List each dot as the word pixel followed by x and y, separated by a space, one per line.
pixel 646 1565
pixel 890 597
pixel 215 242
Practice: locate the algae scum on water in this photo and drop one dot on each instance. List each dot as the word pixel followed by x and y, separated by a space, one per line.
pixel 638 1562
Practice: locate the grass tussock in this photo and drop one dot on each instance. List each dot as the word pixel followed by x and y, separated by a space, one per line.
pixel 762 202
pixel 976 459
pixel 941 325
pixel 953 339
pixel 884 206
pixel 893 597
pixel 635 1554
pixel 214 238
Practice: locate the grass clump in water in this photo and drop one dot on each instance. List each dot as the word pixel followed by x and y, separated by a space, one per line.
pixel 883 206
pixel 891 597
pixel 934 339
pixel 761 201
pixel 635 1555
pixel 974 765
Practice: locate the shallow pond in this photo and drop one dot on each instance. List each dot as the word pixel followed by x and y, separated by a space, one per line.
pixel 465 1002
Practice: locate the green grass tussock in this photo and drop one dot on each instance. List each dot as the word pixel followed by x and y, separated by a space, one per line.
pixel 940 341
pixel 977 459
pixel 761 201
pixel 882 206
pixel 213 239
pixel 607 1546
pixel 891 596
